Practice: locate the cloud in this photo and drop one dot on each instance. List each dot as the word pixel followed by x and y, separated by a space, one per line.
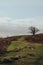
pixel 9 27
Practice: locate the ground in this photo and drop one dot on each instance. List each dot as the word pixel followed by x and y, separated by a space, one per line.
pixel 23 52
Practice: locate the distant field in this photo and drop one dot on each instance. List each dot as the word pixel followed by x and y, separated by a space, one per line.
pixel 28 53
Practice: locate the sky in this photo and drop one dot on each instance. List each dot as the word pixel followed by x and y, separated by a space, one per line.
pixel 17 15
pixel 21 8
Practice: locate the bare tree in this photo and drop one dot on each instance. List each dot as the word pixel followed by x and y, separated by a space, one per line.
pixel 33 30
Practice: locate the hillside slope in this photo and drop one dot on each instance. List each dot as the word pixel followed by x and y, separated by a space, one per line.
pixel 4 42
pixel 22 52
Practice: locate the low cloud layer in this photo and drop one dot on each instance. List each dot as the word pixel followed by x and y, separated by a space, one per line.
pixel 10 27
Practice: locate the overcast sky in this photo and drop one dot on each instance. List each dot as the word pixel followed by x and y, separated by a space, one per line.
pixel 16 15
pixel 21 8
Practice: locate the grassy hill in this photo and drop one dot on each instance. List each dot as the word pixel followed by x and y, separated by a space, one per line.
pixel 23 50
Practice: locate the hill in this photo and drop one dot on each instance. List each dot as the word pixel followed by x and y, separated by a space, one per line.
pixel 21 50
pixel 4 42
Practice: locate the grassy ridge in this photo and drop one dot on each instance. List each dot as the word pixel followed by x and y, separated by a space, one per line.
pixel 30 53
